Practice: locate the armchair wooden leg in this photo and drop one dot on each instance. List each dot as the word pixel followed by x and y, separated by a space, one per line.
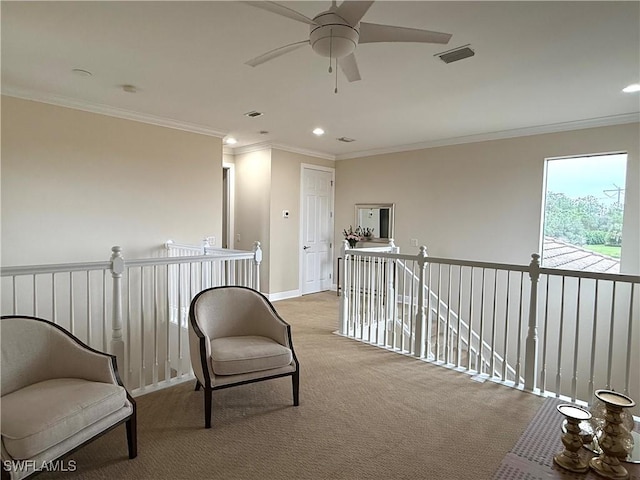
pixel 207 407
pixel 197 385
pixel 295 380
pixel 132 435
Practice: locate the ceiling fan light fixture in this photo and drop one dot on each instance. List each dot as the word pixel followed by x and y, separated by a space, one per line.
pixel 318 132
pixel 333 39
pixel 634 87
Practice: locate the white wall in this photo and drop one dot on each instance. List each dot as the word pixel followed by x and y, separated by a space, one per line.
pixel 482 201
pixel 75 183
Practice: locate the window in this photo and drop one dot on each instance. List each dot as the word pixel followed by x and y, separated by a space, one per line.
pixel 583 212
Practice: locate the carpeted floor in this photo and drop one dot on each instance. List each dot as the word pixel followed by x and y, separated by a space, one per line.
pixel 365 413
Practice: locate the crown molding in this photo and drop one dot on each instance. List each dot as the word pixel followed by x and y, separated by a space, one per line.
pixel 518 132
pixel 255 147
pixel 67 102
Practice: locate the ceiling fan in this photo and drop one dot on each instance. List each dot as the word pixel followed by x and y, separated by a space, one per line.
pixel 337 32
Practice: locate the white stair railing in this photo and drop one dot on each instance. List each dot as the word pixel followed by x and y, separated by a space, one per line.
pixel 587 337
pixel 129 307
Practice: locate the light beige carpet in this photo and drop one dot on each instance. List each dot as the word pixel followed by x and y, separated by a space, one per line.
pixel 365 413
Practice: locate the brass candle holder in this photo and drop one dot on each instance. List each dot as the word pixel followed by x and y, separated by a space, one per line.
pixel 611 437
pixel 569 458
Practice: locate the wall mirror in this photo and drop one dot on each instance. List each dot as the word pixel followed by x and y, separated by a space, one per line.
pixel 377 217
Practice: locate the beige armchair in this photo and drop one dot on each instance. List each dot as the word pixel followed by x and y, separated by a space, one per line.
pixel 57 394
pixel 237 337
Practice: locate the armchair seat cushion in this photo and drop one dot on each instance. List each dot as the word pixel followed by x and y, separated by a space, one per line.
pixel 41 415
pixel 247 353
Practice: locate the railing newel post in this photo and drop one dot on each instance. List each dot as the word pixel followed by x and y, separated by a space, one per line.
pixel 531 344
pixel 346 289
pixel 391 290
pixel 257 259
pixel 116 346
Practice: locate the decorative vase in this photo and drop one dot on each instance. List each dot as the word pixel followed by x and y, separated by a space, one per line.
pixel 612 437
pixel 352 243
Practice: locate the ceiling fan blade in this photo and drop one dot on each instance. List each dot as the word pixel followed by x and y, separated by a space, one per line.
pixel 372 32
pixel 353 11
pixel 270 55
pixel 278 9
pixel 349 67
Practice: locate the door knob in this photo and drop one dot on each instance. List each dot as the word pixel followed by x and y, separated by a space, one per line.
pixel 305 247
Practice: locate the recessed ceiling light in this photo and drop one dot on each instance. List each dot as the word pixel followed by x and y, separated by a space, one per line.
pixel 129 88
pixel 230 141
pixel 318 131
pixel 253 114
pixel 634 87
pixel 81 73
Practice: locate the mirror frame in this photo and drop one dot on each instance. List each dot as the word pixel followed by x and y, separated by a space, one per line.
pixel 372 206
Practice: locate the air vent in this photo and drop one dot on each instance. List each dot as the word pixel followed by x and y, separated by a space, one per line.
pixel 346 139
pixel 253 114
pixel 456 54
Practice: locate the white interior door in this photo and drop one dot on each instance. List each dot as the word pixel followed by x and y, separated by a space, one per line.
pixel 316 229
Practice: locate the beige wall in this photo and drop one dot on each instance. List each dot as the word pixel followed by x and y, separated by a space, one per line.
pixel 268 182
pixel 286 172
pixel 76 183
pixel 481 201
pixel 252 200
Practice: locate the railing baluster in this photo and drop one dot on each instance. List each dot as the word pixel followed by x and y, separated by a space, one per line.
pixel 560 335
pixel 576 339
pixel 15 295
pixel 459 310
pixel 629 342
pixel 480 352
pixel 54 295
pixel 143 363
pixel 72 311
pixel 611 330
pixel 519 346
pixel 470 328
pixel 543 373
pixel 104 310
pixel 492 363
pixel 593 340
pixel 89 323
pixel 35 296
pixel 439 299
pixel 167 335
pixel 505 343
pixel 447 332
pixel 155 325
pixel 430 315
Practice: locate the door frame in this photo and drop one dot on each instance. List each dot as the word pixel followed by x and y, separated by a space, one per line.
pixel 230 210
pixel 332 170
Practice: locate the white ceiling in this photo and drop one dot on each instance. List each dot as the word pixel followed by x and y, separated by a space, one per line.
pixel 539 66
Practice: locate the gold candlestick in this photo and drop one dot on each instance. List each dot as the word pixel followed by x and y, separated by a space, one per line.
pixel 569 458
pixel 610 438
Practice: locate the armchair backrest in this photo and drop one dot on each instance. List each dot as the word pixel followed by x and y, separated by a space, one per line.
pixel 231 311
pixel 35 350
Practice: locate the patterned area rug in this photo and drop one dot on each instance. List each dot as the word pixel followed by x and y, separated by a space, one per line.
pixel 532 456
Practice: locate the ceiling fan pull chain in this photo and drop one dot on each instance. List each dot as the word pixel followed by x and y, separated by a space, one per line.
pixel 336 90
pixel 330 45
